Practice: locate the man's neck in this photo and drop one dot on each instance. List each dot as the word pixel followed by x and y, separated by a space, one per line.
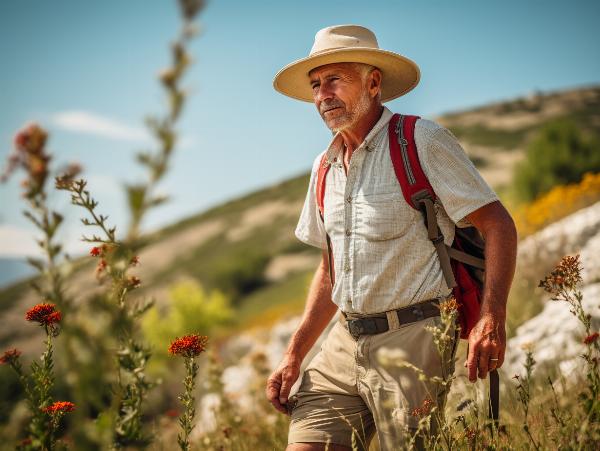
pixel 354 136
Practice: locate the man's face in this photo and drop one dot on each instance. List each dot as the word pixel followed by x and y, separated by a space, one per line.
pixel 340 94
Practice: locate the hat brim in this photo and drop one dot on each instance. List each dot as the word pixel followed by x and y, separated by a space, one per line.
pixel 399 74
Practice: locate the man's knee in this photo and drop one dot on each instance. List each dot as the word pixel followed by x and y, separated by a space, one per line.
pixel 317 447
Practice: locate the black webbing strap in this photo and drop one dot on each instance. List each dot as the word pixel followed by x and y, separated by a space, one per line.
pixel 444 254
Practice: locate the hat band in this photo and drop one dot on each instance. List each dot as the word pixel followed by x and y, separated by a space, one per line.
pixel 328 49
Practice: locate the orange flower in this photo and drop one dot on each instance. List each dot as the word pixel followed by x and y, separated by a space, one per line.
pixel 188 345
pixel 59 407
pixel 591 338
pixel 449 305
pixel 45 314
pixel 135 260
pixel 10 356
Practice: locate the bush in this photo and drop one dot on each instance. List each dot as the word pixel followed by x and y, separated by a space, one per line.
pixel 240 273
pixel 191 310
pixel 560 154
pixel 558 203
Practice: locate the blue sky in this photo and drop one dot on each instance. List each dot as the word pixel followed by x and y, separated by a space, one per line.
pixel 86 71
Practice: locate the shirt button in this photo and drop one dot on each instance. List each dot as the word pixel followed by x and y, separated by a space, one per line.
pixel 347 267
pixel 348 232
pixel 349 199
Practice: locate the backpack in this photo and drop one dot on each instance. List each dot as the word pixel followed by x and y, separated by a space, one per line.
pixel 463 263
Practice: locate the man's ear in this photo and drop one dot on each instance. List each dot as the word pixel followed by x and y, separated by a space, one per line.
pixel 375 78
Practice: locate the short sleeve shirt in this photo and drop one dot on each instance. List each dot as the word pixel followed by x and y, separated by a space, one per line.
pixel 382 257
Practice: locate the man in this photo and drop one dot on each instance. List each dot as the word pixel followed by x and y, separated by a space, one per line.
pixel 382 258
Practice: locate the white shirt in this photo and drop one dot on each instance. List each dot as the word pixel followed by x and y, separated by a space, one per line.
pixel 382 256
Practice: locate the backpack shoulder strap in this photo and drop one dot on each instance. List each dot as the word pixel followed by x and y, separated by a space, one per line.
pixel 416 188
pixel 324 166
pixel 403 151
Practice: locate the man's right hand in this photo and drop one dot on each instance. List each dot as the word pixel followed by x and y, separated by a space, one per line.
pixel 281 381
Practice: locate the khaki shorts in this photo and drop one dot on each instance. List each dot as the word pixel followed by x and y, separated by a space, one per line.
pixel 346 394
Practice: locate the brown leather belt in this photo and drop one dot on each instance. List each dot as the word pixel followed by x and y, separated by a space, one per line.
pixel 376 324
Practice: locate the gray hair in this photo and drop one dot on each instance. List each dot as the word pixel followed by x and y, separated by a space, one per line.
pixel 365 70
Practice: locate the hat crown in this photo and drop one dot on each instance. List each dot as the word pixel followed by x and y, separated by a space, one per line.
pixel 343 36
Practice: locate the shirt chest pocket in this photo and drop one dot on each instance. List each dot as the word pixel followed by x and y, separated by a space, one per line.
pixel 383 216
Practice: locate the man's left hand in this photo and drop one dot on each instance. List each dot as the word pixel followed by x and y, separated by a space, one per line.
pixel 487 343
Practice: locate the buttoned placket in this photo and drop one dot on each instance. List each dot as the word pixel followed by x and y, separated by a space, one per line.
pixel 354 170
pixel 351 183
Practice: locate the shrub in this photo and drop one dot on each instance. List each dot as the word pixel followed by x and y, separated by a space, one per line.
pixel 191 309
pixel 558 203
pixel 560 154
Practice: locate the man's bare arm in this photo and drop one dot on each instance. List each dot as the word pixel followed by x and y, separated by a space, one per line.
pixel 488 337
pixel 317 314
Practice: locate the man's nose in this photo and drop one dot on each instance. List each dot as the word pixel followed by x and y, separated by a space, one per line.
pixel 322 93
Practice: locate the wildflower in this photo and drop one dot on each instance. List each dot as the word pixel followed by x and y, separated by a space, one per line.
pixel 66 179
pixel 470 434
pixel 566 275
pixel 95 251
pixel 45 314
pixel 133 282
pixel 188 345
pixel 59 407
pixel 29 154
pixel 449 305
pixel 424 409
pixel 10 356
pixel 135 260
pixel 590 338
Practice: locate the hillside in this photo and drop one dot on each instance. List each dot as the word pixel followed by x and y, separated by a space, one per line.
pixel 247 249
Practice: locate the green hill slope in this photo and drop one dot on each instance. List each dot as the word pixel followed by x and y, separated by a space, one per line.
pixel 246 247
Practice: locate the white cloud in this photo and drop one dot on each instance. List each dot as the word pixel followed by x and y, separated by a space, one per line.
pixel 94 124
pixel 18 242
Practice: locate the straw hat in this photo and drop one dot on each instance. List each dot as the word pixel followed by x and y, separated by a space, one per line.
pixel 346 44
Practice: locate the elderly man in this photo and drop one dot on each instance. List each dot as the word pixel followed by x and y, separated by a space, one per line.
pixel 382 256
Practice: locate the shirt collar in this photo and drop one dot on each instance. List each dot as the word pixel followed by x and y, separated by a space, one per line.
pixel 335 147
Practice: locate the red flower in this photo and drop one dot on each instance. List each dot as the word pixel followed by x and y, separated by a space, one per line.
pixel 10 356
pixel 591 338
pixel 95 251
pixel 45 314
pixel 188 345
pixel 135 260
pixel 424 409
pixel 59 407
pixel 134 282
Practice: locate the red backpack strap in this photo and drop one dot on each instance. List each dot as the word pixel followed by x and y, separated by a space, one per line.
pixel 416 188
pixel 405 159
pixel 324 166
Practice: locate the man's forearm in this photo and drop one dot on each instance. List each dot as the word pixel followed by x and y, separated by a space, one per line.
pixel 317 314
pixel 500 250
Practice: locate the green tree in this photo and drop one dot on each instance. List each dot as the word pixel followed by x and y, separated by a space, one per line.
pixel 559 154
